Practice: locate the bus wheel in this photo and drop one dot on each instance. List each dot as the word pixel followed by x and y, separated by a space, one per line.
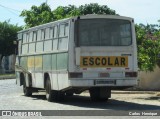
pixel 49 92
pixel 53 95
pixel 26 90
pixel 99 94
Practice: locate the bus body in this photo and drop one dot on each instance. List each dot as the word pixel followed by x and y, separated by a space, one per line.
pixel 92 52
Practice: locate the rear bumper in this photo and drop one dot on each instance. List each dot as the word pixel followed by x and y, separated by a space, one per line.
pixel 102 82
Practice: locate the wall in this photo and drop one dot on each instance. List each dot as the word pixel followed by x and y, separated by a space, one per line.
pixel 1 69
pixel 8 63
pixel 150 80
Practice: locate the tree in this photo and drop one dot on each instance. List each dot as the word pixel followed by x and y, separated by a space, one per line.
pixel 38 15
pixel 94 8
pixel 148 41
pixel 65 12
pixel 8 34
pixel 42 14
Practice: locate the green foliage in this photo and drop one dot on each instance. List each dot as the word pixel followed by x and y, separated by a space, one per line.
pixel 43 14
pixel 148 41
pixel 65 12
pixel 38 15
pixel 94 8
pixel 8 34
pixel 71 10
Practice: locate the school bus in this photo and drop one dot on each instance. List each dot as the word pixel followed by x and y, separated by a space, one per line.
pixel 65 57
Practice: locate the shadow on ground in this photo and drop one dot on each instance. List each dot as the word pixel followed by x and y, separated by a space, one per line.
pixel 151 98
pixel 111 104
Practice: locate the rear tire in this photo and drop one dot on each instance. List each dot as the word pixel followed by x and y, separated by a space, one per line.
pixel 49 92
pixel 26 90
pixel 53 95
pixel 99 94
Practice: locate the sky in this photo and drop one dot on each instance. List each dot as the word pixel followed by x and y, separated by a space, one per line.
pixel 143 11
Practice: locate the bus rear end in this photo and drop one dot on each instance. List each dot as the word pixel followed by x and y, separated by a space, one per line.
pixel 104 55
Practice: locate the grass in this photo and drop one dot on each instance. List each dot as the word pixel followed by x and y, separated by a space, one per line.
pixel 7 76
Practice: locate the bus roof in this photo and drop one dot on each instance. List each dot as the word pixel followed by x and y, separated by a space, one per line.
pixel 88 16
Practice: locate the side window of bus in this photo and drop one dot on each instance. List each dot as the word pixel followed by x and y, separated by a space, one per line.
pixel 39 35
pixel 25 43
pixel 63 36
pixel 35 36
pixel 19 47
pixel 47 33
pixel 55 38
pixel 32 40
pixel 40 38
pixel 48 40
pixel 51 32
pixel 31 36
pixel 39 46
pixel 42 34
pixel 25 37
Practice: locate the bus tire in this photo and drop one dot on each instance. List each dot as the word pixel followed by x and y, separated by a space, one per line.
pixel 98 94
pixel 49 92
pixel 26 90
pixel 53 95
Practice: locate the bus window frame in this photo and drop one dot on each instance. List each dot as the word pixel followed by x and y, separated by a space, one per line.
pixel 49 38
pixel 55 36
pixel 64 36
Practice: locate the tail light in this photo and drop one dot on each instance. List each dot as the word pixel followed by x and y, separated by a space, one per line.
pixel 131 74
pixel 75 75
